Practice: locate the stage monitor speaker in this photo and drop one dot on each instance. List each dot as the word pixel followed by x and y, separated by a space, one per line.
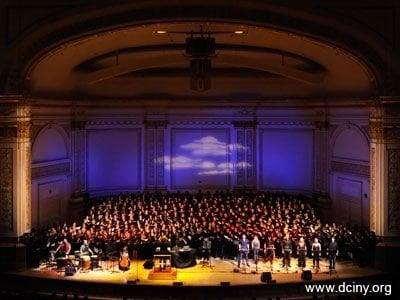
pixel 306 275
pixel 177 283
pixel 266 277
pixel 148 264
pixel 236 270
pixel 225 283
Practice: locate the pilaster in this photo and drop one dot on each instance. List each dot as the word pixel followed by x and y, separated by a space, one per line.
pixel 15 166
pixel 155 154
pixel 245 146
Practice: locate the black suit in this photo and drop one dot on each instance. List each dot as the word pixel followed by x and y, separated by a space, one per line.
pixel 332 251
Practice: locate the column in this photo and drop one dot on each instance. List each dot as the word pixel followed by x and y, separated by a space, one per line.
pixel 245 147
pixel 78 141
pixel 385 183
pixel 321 132
pixel 154 154
pixel 15 180
pixel 385 170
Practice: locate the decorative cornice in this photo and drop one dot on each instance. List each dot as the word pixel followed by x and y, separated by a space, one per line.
pixel 287 123
pixel 384 132
pixel 350 168
pixel 112 122
pixel 51 170
pixel 24 129
pixel 244 124
pixel 216 123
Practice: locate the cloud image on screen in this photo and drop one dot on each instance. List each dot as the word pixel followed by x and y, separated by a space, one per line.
pixel 205 159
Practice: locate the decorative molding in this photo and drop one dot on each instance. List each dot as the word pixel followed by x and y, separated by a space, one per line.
pixel 372 215
pixel 350 168
pixel 6 189
pixel 112 122
pixel 150 162
pixel 240 155
pixel 78 134
pixel 24 129
pixel 160 153
pixel 28 185
pixel 20 130
pixel 384 132
pixel 287 123
pixel 214 123
pixel 251 157
pixel 321 145
pixel 393 190
pixel 51 170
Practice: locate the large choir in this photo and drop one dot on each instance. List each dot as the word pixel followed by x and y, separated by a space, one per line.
pixel 230 225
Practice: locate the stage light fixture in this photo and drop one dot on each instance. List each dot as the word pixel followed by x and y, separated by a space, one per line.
pixel 238 32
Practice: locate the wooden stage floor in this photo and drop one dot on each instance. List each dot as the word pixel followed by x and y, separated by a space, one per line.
pixel 199 275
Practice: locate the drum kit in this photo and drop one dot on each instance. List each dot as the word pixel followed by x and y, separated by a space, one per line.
pixel 84 263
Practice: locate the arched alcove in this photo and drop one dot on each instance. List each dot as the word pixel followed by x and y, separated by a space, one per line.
pixel 350 174
pixel 50 145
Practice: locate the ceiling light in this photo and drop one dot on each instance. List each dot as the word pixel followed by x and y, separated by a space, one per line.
pixel 161 31
pixel 238 32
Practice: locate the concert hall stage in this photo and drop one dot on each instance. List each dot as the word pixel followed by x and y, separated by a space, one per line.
pixel 203 275
pixel 195 282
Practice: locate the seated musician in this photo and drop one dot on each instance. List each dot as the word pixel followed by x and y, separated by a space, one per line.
pixel 85 249
pixel 64 248
pixel 124 262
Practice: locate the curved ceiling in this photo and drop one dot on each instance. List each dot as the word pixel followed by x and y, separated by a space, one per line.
pixel 138 63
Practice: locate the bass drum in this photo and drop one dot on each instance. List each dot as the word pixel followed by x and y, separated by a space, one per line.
pixel 95 262
pixel 85 262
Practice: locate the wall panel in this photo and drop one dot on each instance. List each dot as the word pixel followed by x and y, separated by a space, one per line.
pixel 113 159
pixel 286 159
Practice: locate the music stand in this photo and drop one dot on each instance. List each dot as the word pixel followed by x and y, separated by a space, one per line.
pixel 113 260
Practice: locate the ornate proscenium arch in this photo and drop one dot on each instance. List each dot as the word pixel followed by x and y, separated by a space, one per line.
pixel 314 27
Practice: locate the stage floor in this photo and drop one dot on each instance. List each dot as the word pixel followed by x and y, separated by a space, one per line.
pixel 199 275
